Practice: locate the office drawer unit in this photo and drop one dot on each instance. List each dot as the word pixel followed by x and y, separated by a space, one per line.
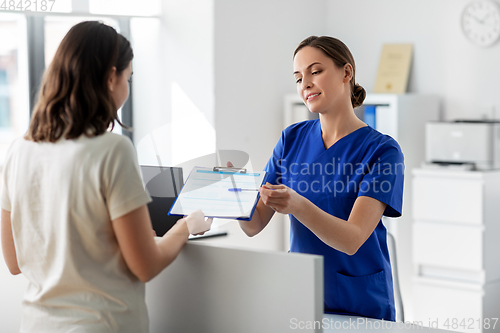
pixel 456 248
pixel 457 306
pixel 448 199
pixel 448 245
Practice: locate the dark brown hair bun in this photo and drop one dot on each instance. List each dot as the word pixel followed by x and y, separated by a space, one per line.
pixel 358 95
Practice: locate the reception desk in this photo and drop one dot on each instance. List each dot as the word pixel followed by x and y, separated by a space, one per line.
pixel 213 289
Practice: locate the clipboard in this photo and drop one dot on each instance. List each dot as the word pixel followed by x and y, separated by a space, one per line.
pixel 213 191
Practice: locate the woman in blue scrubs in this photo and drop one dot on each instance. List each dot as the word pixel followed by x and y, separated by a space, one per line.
pixel 336 177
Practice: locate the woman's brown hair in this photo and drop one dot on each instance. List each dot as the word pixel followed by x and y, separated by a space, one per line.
pixel 74 96
pixel 341 56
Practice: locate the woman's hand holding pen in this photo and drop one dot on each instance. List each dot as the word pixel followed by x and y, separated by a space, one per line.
pixel 281 198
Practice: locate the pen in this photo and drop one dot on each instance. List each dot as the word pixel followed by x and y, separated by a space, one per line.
pixel 237 189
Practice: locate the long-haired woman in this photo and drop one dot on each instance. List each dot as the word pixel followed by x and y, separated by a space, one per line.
pixel 74 214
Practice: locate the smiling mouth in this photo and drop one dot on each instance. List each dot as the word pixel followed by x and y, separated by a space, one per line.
pixel 312 96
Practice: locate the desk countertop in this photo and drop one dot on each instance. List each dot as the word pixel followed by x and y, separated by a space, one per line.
pixel 333 323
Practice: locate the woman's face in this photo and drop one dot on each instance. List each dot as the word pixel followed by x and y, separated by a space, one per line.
pixel 118 85
pixel 320 83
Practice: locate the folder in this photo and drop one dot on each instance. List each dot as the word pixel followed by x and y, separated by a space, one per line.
pixel 229 193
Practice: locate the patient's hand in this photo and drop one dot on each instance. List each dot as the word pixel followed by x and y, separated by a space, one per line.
pixel 196 223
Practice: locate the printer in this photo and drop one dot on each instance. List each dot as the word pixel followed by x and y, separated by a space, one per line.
pixel 474 142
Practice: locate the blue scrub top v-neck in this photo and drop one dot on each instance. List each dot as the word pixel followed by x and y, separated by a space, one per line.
pixel 363 163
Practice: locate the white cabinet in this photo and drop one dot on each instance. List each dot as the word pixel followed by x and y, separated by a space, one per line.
pixel 456 248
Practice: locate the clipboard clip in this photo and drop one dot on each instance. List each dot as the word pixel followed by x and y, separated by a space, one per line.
pixel 230 169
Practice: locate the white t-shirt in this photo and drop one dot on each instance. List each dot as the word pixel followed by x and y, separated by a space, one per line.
pixel 62 197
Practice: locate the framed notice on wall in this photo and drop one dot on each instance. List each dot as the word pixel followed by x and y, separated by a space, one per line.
pixel 394 69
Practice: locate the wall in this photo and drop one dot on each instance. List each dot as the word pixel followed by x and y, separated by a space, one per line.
pixel 173 83
pixel 254 44
pixel 444 61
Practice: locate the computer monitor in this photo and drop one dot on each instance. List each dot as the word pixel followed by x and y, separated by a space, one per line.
pixel 163 185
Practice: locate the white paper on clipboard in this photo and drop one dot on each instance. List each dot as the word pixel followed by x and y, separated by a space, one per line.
pixel 209 191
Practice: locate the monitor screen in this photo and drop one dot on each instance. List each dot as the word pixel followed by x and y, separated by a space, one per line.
pixel 163 185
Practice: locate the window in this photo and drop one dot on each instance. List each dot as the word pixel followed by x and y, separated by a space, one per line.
pixel 14 109
pixel 4 100
pixel 29 41
pixel 120 7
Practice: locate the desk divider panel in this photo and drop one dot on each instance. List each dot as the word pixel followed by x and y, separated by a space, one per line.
pixel 217 289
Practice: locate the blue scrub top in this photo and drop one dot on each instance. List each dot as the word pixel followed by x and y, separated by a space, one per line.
pixel 363 163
